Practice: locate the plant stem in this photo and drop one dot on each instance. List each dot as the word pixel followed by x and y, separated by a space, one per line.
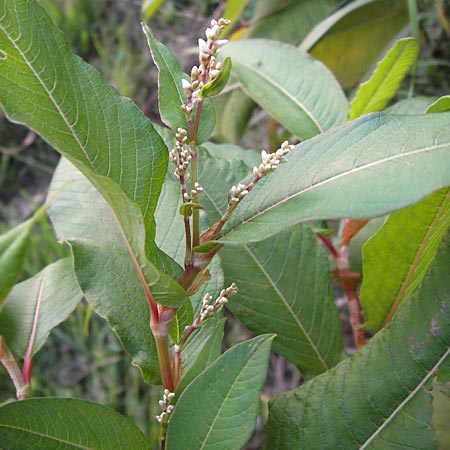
pixel 162 347
pixel 10 364
pixel 349 282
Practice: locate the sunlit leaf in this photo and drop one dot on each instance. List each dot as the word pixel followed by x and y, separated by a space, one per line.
pixel 374 94
pixel 397 257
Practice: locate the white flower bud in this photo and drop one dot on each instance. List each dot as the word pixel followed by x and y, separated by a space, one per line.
pixel 186 85
pixel 203 46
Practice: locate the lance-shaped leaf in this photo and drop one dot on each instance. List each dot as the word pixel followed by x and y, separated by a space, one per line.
pixel 109 276
pixel 275 74
pixel 285 288
pixel 201 350
pixel 374 94
pixel 396 259
pixel 65 100
pixel 170 91
pixel 40 304
pixel 380 397
pixel 66 423
pixel 230 387
pixel 13 246
pixel 350 40
pixel 217 85
pixel 369 167
pixel 103 134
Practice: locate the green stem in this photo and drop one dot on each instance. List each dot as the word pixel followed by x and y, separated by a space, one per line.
pixel 162 347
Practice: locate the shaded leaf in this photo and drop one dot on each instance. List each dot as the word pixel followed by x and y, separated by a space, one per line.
pixel 378 398
pixel 374 94
pixel 397 257
pixel 230 387
pixel 441 407
pixel 103 266
pixel 183 318
pixel 275 74
pixel 49 298
pixel 367 168
pixel 351 40
pixel 65 424
pixel 288 21
pixel 413 105
pixel 284 287
pixel 13 246
pixel 201 350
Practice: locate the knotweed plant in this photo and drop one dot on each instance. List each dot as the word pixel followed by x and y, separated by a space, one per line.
pixel 166 229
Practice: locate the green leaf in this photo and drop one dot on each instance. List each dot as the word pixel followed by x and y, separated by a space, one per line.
pixel 396 259
pixel 233 10
pixel 224 397
pixel 284 287
pixel 216 86
pixel 149 7
pixel 65 424
pixel 275 74
pixel 367 168
pixel 170 91
pixel 234 109
pixel 288 21
pixel 374 94
pixel 13 246
pixel 441 407
pixel 201 350
pixel 43 302
pixel 378 398
pixel 65 100
pixel 105 268
pixel 413 105
pixel 351 40
pixel 183 318
pixel 442 104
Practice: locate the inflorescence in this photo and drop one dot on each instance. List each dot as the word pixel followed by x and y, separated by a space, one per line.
pixel 166 407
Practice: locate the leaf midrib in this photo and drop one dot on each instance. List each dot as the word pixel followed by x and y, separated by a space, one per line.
pixel 416 260
pixel 288 307
pixel 284 92
pixel 336 177
pixel 42 435
pixel 405 401
pixel 387 79
pixel 50 96
pixel 227 396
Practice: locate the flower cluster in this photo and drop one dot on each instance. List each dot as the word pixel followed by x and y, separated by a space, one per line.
pixel 209 67
pixel 180 156
pixel 166 407
pixel 238 193
pixel 270 161
pixel 208 308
